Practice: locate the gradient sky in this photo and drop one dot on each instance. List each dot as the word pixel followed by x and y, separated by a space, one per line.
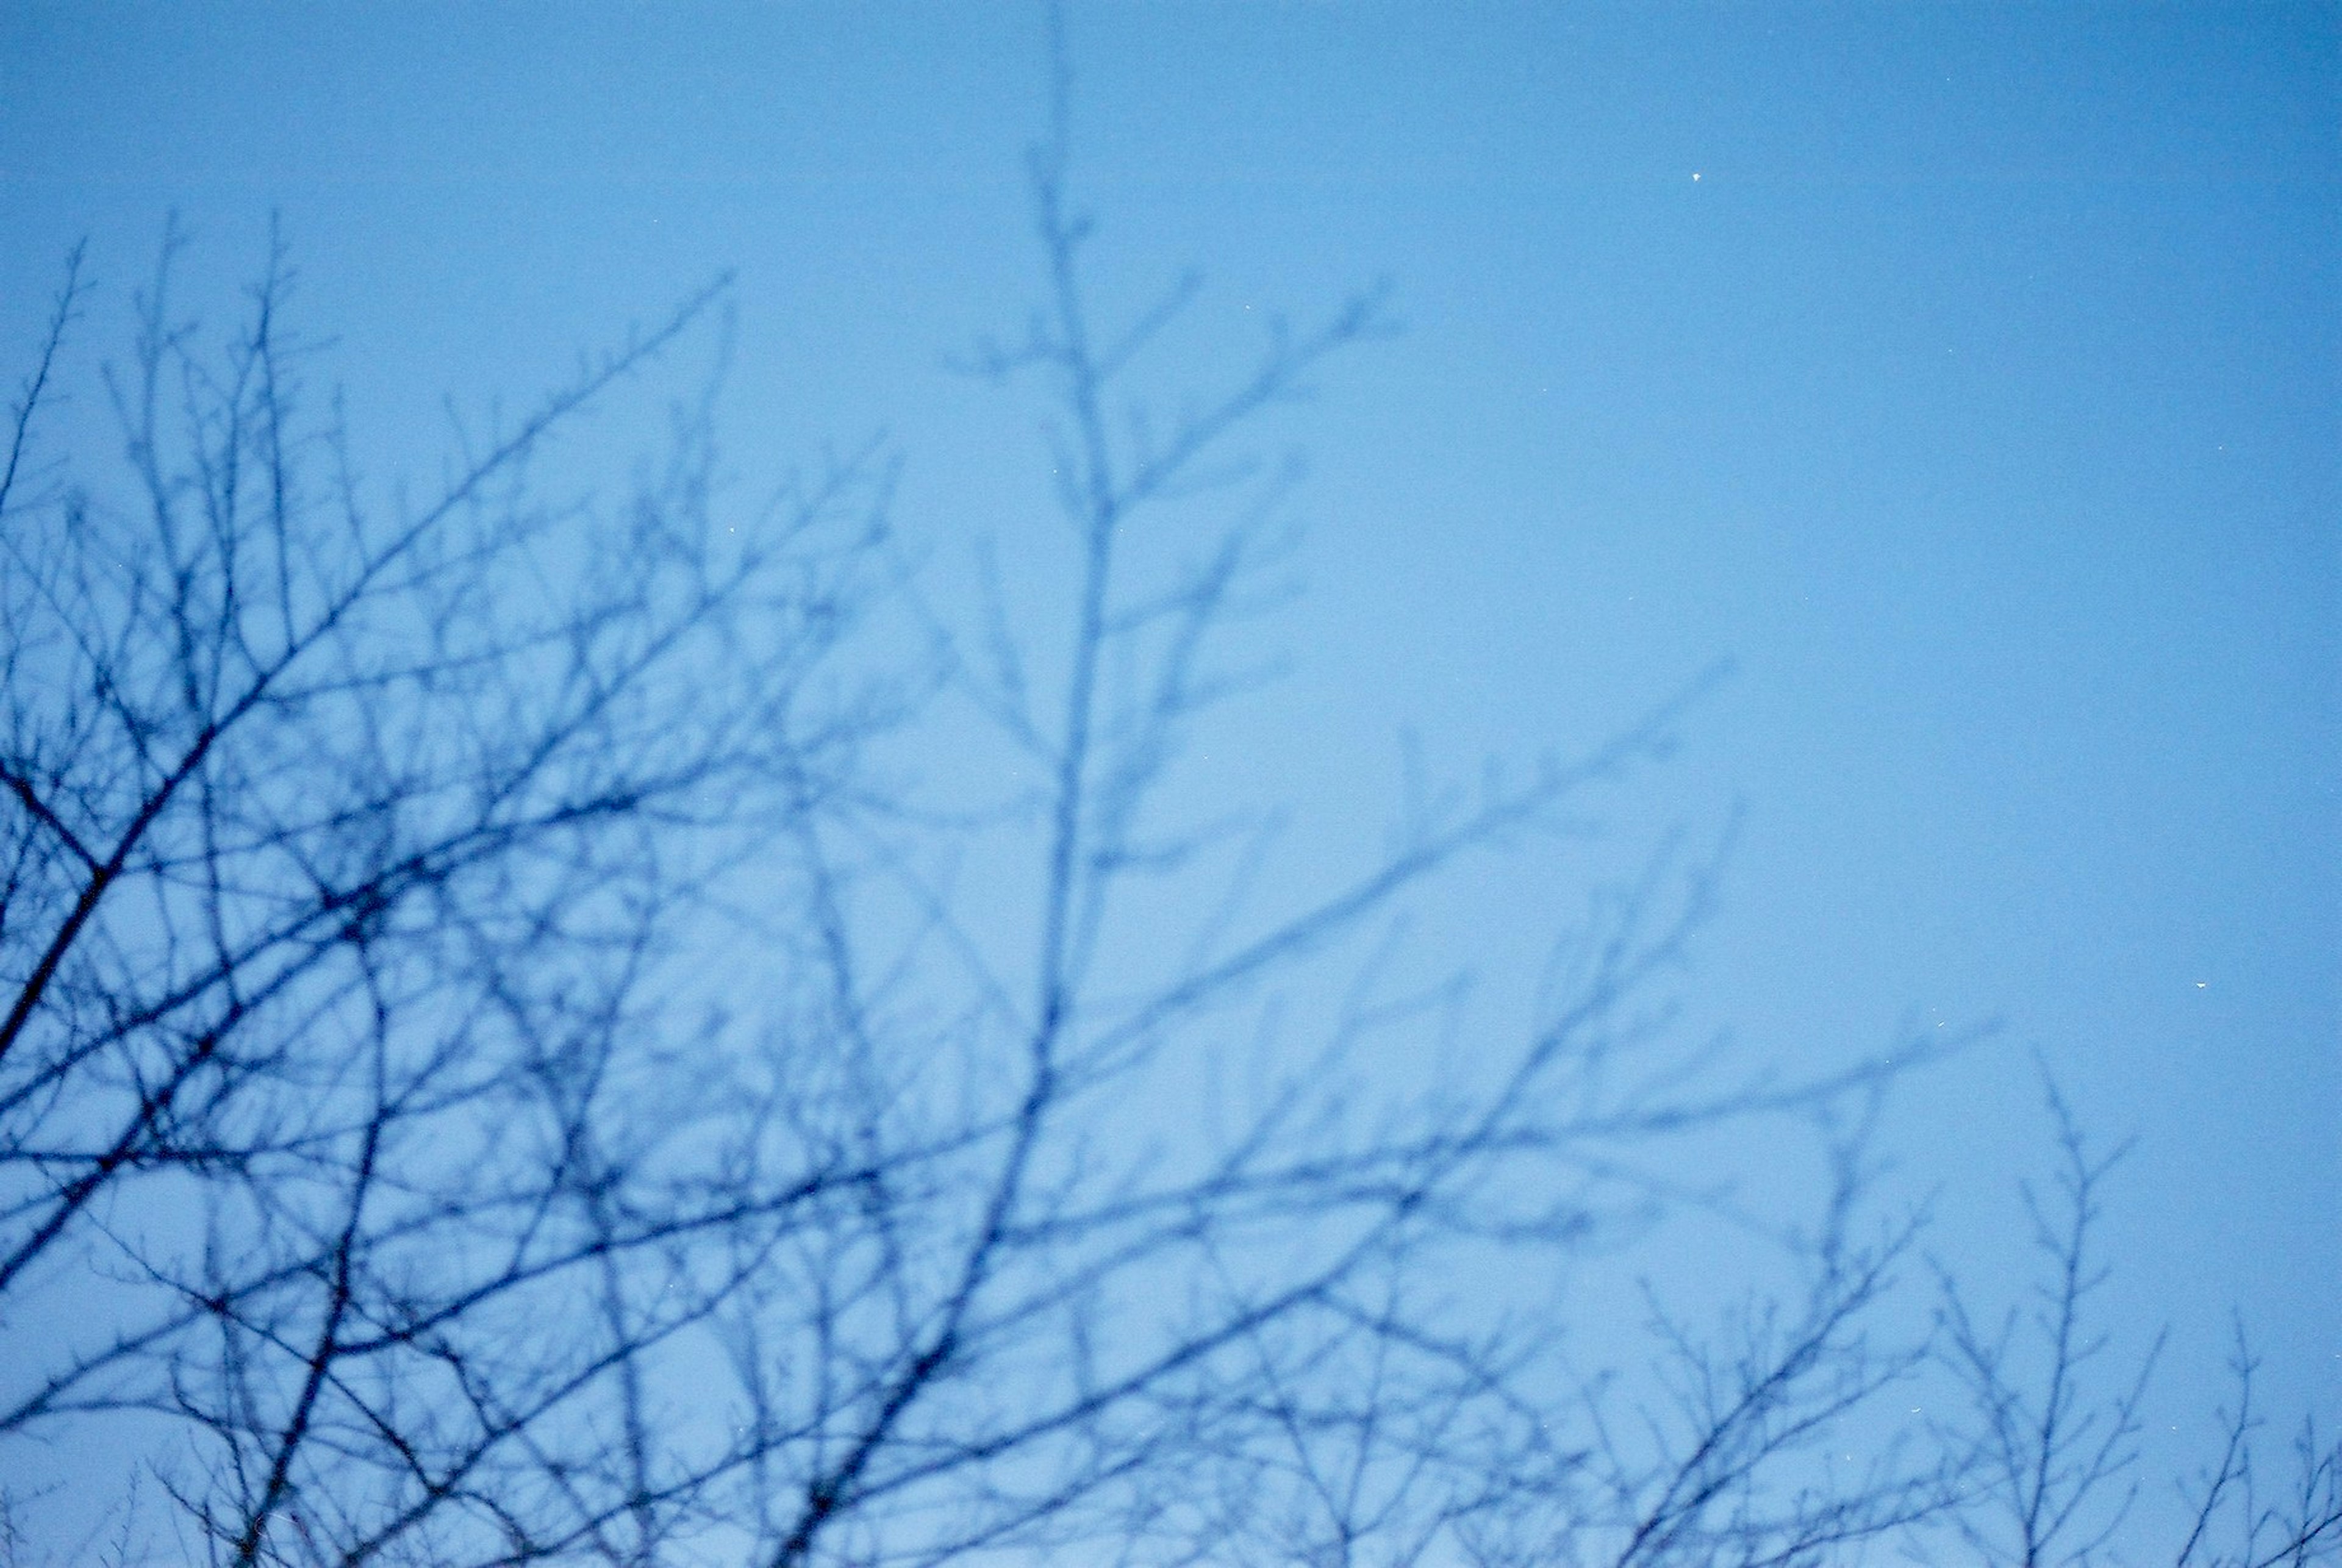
pixel 1970 374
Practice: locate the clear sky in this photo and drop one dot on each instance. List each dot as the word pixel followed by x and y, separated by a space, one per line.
pixel 1968 373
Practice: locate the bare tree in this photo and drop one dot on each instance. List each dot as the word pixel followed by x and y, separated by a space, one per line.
pixel 2050 1460
pixel 369 1113
pixel 509 1060
pixel 345 846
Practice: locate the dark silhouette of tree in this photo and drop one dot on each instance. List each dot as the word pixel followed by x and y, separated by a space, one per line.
pixel 2050 1458
pixel 347 846
pixel 505 1061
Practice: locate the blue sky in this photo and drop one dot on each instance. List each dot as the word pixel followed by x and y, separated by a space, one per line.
pixel 1968 375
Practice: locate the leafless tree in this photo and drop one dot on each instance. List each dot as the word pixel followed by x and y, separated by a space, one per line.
pixel 510 1059
pixel 2051 1461
pixel 346 849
